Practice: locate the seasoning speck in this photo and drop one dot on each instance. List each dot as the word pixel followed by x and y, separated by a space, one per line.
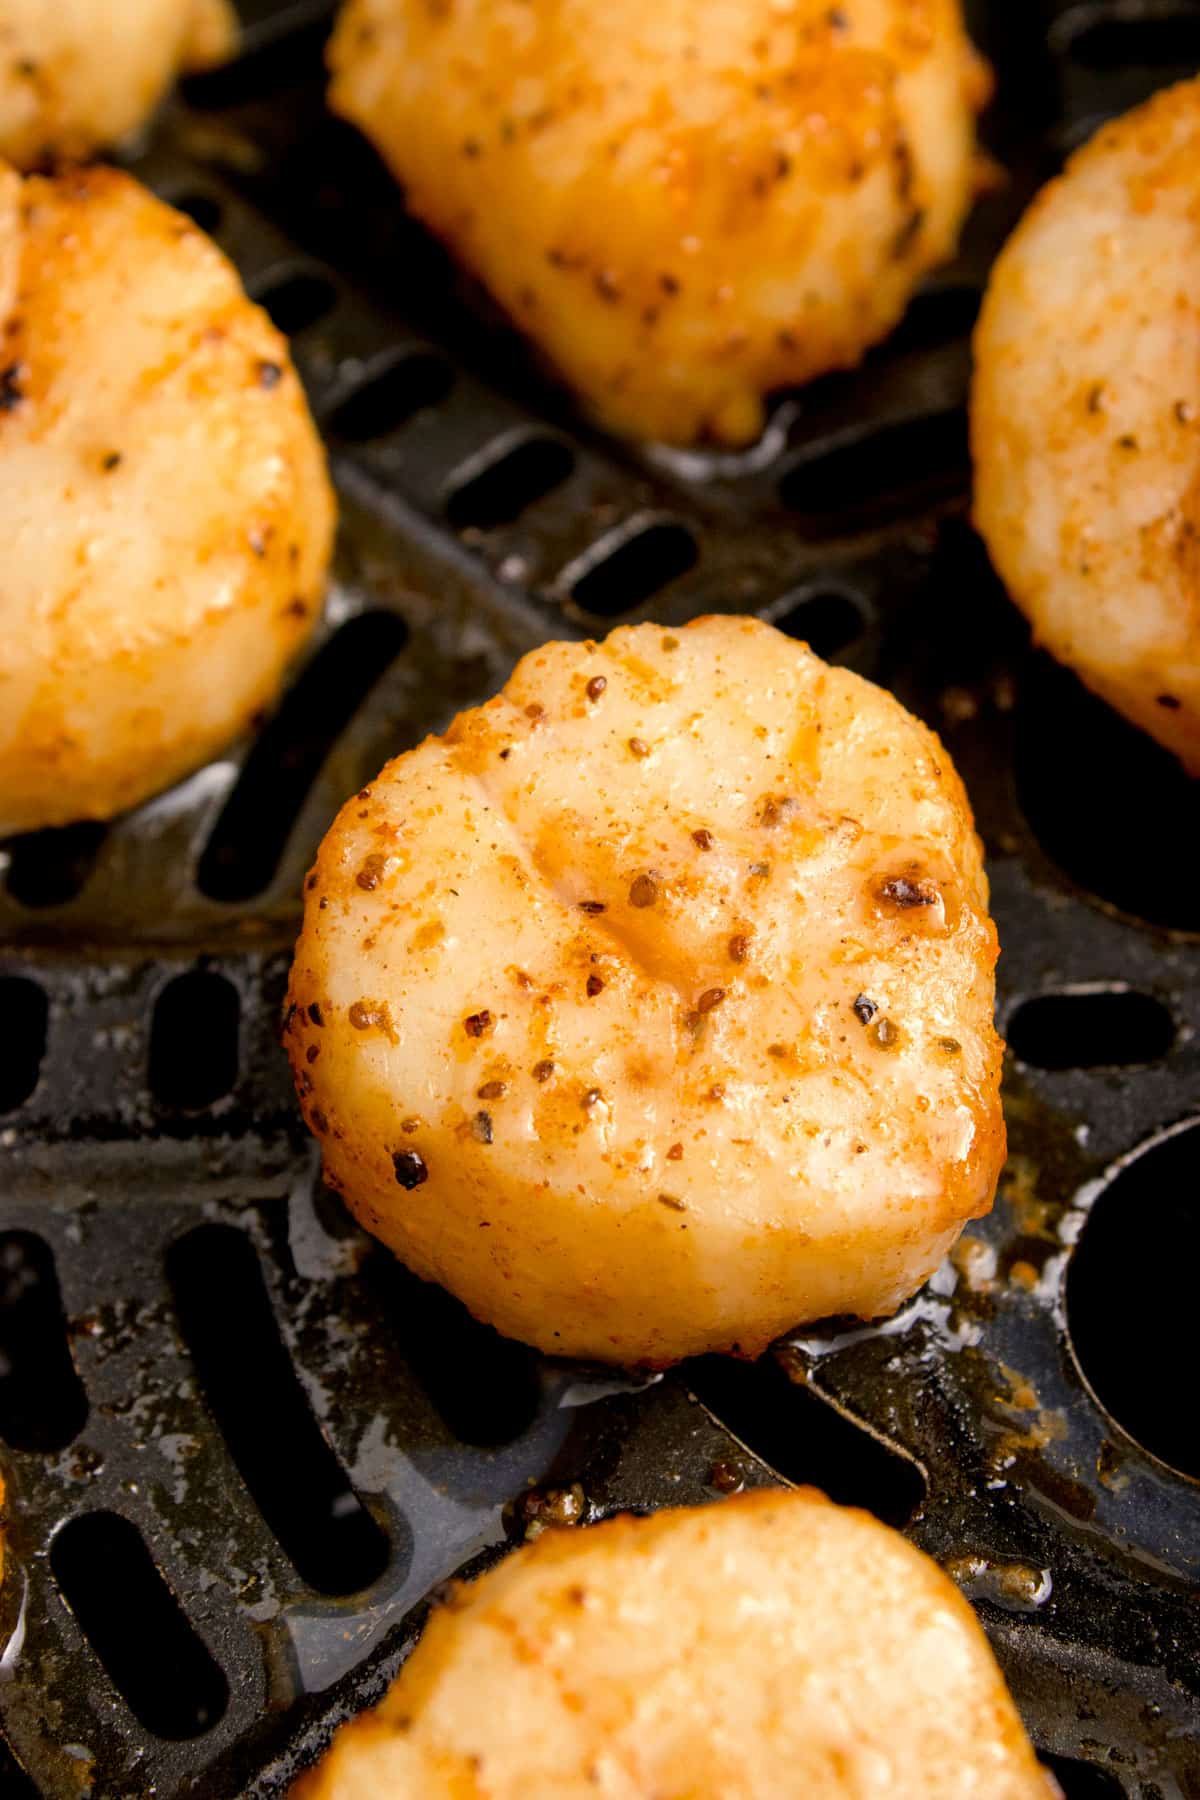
pixel 10 387
pixel 595 985
pixel 639 746
pixel 270 374
pixel 673 1201
pixel 592 906
pixel 481 1127
pixel 592 1096
pixel 477 1024
pixel 709 999
pixel 739 947
pixel 900 891
pixel 492 1090
pixel 596 686
pixel 643 890
pixel 864 1010
pixel 543 1071
pixel 950 1045
pixel 372 872
pixel 315 1013
pixel 410 1168
pixel 886 1034
pixel 702 839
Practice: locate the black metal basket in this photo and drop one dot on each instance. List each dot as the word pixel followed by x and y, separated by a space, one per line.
pixel 244 1447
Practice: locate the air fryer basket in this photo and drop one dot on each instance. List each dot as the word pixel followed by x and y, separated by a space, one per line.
pixel 243 1446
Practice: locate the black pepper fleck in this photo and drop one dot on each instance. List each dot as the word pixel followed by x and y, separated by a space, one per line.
pixel 481 1127
pixel 864 1009
pixel 410 1168
pixel 11 395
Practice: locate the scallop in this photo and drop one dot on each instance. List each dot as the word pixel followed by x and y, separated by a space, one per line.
pixel 77 75
pixel 168 512
pixel 649 1009
pixel 1085 418
pixel 765 1646
pixel 686 205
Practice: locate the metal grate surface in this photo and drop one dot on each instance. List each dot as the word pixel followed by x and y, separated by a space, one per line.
pixel 243 1446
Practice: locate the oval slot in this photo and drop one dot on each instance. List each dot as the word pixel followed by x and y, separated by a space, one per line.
pixel 636 569
pixel 137 1627
pixel 825 619
pixel 1090 1030
pixel 256 821
pixel 1130 1298
pixel 43 1407
pixel 194 1040
pixel 255 1396
pixel 806 1440
pixel 390 396
pixel 24 1020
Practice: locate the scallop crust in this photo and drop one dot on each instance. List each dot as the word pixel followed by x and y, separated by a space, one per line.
pixel 650 1009
pixel 76 75
pixel 1085 417
pixel 769 1645
pixel 685 205
pixel 169 514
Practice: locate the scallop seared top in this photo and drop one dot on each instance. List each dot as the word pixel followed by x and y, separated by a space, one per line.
pixel 169 516
pixel 770 1647
pixel 650 1009
pixel 76 75
pixel 686 203
pixel 1085 417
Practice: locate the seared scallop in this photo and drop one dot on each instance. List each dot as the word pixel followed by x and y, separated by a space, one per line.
pixel 650 1008
pixel 1086 417
pixel 766 1646
pixel 167 512
pixel 684 204
pixel 76 75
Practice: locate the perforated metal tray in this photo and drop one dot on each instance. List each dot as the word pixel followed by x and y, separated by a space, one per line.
pixel 209 1380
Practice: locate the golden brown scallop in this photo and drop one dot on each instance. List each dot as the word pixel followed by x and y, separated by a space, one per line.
pixel 770 1647
pixel 167 509
pixel 650 1009
pixel 1085 418
pixel 684 204
pixel 77 75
